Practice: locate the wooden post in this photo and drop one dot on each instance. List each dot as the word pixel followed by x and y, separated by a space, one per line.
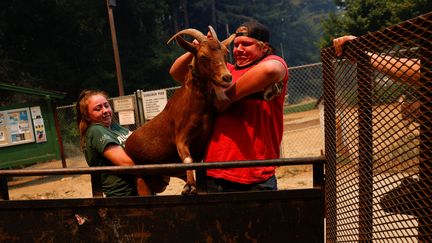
pixel 110 5
pixel 59 137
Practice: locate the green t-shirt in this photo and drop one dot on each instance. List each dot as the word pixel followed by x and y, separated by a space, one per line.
pixel 97 138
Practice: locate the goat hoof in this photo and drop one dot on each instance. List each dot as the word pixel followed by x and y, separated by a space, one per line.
pixel 186 189
pixel 189 189
pixel 193 190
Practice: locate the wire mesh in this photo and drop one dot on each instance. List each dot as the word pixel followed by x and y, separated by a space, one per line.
pixel 379 136
pixel 67 118
pixel 303 119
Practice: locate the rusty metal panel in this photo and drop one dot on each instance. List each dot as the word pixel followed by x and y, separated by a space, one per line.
pixel 280 216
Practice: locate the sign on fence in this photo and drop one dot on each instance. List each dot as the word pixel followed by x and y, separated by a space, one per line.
pixel 126 117
pixel 125 108
pixel 123 104
pixel 154 102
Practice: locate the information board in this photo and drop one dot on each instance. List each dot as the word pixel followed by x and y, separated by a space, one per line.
pixel 123 104
pixel 154 102
pixel 126 117
pixel 16 127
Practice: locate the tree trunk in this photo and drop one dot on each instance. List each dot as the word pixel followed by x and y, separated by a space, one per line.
pixel 213 14
pixel 185 13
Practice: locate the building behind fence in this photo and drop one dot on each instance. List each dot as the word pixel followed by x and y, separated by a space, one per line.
pixel 303 133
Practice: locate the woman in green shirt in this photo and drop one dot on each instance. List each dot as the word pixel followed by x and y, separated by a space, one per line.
pixel 103 142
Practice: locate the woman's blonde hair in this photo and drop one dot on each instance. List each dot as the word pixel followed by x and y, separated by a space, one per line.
pixel 83 120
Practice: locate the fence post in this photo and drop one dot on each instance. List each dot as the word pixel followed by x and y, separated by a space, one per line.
pixel 365 147
pixel 425 121
pixel 59 138
pixel 4 188
pixel 330 211
pixel 318 174
pixel 140 108
pixel 96 185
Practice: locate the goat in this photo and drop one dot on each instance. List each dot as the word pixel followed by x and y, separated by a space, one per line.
pixel 180 132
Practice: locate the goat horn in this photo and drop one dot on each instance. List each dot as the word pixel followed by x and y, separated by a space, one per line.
pixel 213 32
pixel 228 40
pixel 191 32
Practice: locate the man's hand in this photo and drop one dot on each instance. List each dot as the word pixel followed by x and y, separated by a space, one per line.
pixel 221 100
pixel 338 43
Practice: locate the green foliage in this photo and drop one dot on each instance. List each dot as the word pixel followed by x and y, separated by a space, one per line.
pixel 360 17
pixel 66 45
pixel 300 107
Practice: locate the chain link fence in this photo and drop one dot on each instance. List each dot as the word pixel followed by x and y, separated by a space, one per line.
pixel 378 115
pixel 303 132
pixel 303 113
pixel 68 127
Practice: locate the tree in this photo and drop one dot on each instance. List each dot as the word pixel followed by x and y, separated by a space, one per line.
pixel 58 45
pixel 360 17
pixel 65 45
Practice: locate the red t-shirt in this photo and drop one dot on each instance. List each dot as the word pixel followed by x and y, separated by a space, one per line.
pixel 250 129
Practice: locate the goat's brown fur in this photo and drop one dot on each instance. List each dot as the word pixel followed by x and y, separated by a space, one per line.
pixel 179 133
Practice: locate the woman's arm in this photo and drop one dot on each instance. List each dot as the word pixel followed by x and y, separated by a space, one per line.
pixel 256 79
pixel 116 154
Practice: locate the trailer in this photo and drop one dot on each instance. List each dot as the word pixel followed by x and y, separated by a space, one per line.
pixel 262 216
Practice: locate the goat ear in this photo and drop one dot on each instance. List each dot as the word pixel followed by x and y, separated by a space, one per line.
pixel 228 40
pixel 186 45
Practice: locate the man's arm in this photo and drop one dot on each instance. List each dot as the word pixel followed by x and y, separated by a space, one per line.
pixel 408 70
pixel 254 80
pixel 180 67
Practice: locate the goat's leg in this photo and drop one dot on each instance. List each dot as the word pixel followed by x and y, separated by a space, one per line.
pixel 190 186
pixel 143 188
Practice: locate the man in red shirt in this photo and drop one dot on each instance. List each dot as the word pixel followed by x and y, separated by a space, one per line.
pixel 249 125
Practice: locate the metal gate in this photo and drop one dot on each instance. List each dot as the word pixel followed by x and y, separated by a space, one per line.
pixel 262 216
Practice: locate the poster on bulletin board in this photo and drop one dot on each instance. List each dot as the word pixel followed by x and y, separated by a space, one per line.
pixel 36 112
pixel 2 130
pixel 16 127
pixel 39 127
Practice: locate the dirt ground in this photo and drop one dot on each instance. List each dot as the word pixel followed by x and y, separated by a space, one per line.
pixel 79 186
pixel 298 125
